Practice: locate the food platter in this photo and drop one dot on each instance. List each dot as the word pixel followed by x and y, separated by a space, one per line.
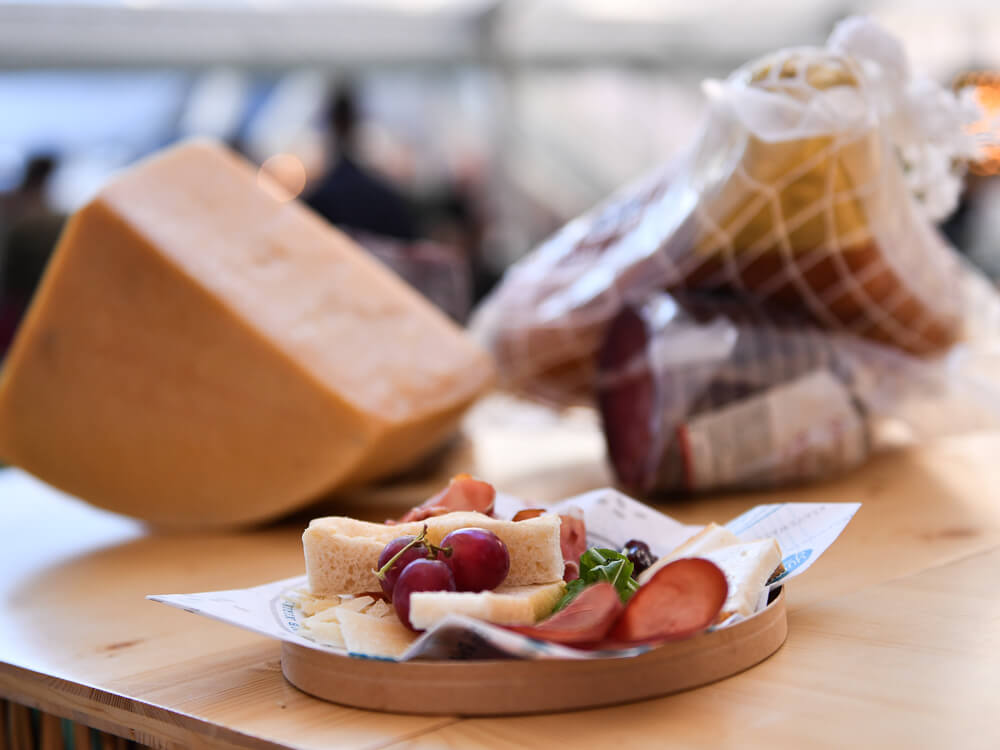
pixel 464 665
pixel 499 687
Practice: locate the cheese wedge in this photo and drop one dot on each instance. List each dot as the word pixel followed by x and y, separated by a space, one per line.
pixel 747 566
pixel 341 553
pixel 374 636
pixel 507 605
pixel 710 538
pixel 203 353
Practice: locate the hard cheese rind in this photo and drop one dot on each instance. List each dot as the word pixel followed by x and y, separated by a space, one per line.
pixel 202 353
pixel 341 553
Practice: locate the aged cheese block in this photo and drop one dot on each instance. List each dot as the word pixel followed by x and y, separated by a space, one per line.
pixel 202 353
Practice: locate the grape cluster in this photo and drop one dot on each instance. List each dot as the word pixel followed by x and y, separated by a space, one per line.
pixel 468 559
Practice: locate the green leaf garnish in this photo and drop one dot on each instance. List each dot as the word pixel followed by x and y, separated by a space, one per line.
pixel 573 588
pixel 601 564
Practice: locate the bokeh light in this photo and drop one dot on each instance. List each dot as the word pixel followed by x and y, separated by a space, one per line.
pixel 283 175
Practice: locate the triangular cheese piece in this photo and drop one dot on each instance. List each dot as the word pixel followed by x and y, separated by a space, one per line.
pixel 201 352
pixel 374 636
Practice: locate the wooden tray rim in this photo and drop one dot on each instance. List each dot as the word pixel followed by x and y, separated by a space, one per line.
pixel 494 687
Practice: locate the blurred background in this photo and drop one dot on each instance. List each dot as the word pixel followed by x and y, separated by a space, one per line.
pixel 479 126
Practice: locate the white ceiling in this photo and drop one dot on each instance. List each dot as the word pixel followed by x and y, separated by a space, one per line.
pixel 282 33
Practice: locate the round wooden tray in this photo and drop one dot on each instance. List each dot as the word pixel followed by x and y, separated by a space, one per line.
pixel 499 687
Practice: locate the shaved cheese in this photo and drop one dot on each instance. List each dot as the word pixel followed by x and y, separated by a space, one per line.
pixel 380 608
pixel 327 633
pixel 375 636
pixel 357 603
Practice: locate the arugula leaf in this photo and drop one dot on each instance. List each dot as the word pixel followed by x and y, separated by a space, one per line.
pixel 573 588
pixel 601 564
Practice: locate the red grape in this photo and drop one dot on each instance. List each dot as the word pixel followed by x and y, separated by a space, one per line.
pixel 478 559
pixel 391 575
pixel 420 575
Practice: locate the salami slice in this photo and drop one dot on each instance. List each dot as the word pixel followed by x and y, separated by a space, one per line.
pixel 697 393
pixel 462 493
pixel 680 601
pixel 585 620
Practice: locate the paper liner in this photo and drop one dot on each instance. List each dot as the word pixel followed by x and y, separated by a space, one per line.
pixel 810 187
pixel 804 531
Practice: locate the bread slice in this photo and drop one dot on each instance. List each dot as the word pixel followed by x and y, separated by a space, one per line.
pixel 341 553
pixel 507 605
pixel 710 538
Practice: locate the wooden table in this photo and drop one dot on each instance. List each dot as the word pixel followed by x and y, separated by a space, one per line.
pixel 894 635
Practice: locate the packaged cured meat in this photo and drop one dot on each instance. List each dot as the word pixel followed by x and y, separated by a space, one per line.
pixel 697 393
pixel 812 186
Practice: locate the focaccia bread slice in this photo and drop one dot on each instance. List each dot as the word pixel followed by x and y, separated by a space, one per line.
pixel 383 637
pixel 507 605
pixel 341 553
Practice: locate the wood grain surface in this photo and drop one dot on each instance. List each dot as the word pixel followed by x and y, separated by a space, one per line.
pixel 893 635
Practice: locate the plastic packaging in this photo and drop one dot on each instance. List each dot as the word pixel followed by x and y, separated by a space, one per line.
pixel 702 394
pixel 766 308
pixel 811 187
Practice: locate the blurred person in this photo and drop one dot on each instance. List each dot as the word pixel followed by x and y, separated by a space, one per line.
pixel 351 196
pixel 30 231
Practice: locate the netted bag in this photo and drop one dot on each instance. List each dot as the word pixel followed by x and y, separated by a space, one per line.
pixel 815 214
pixel 800 192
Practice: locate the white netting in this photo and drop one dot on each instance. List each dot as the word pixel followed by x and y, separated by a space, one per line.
pixel 808 189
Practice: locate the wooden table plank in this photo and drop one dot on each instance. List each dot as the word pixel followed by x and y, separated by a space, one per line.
pixel 910 663
pixel 78 639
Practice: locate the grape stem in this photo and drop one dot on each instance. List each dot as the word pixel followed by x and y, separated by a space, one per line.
pixel 432 551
